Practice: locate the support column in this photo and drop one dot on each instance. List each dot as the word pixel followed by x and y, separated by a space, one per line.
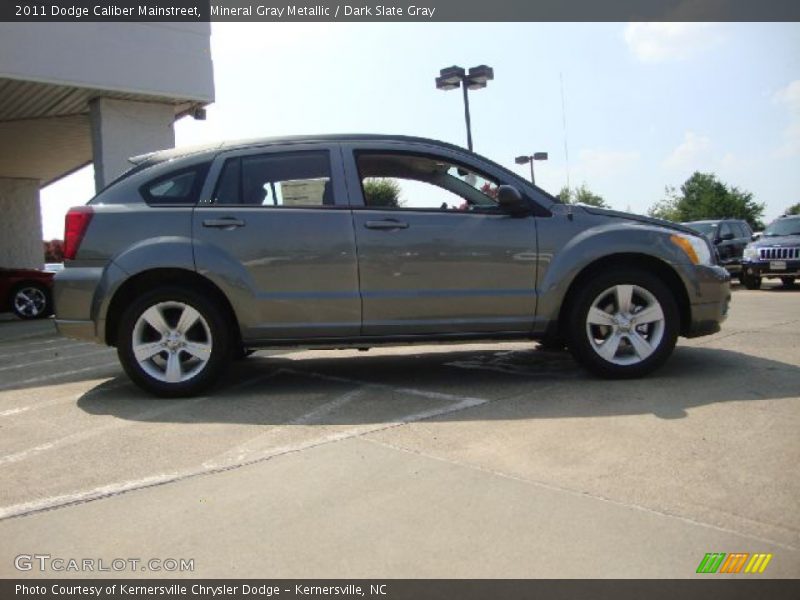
pixel 21 226
pixel 123 128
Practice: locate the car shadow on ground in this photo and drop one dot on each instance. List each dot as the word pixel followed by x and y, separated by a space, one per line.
pixel 508 384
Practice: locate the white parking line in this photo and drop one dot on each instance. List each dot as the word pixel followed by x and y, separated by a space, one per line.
pixel 68 345
pixel 16 384
pixel 15 411
pixel 114 489
pixel 80 436
pixel 72 397
pixel 48 335
pixel 256 443
pixel 56 359
pixel 384 386
pixel 86 434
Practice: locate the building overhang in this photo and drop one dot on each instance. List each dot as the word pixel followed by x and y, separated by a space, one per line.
pixel 45 130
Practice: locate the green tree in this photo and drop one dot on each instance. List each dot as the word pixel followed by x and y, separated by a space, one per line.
pixel 703 196
pixel 581 195
pixel 794 209
pixel 382 192
pixel 667 207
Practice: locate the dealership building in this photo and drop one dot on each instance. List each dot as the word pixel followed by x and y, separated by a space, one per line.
pixel 72 94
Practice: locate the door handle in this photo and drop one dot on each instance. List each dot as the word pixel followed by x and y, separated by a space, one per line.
pixel 223 223
pixel 386 224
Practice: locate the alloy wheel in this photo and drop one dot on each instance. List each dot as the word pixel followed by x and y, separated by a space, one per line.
pixel 29 302
pixel 625 324
pixel 172 342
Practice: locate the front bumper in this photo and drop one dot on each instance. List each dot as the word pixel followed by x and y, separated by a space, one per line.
pixel 771 268
pixel 709 292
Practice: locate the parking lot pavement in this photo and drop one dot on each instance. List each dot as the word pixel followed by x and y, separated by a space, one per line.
pixel 439 461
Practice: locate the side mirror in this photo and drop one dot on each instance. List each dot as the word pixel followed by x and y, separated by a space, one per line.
pixel 755 236
pixel 510 200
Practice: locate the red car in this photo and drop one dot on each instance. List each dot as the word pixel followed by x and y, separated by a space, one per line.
pixel 26 292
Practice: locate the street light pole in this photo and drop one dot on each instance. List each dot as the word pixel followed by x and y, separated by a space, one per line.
pixel 453 77
pixel 467 118
pixel 521 160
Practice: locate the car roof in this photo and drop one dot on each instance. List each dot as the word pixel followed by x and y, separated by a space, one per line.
pixel 212 148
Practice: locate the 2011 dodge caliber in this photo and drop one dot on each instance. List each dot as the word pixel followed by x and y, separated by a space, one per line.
pixel 196 256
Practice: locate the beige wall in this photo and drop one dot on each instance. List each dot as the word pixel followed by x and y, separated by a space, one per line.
pixel 20 224
pixel 121 129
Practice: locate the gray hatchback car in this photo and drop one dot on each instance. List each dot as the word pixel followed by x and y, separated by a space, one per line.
pixel 195 257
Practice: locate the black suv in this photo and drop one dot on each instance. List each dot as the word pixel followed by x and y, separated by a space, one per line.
pixel 729 236
pixel 775 254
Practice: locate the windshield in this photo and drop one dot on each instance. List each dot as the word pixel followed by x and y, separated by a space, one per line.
pixel 783 227
pixel 706 229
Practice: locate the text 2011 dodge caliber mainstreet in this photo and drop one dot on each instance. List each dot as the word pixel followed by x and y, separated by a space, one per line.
pixel 195 257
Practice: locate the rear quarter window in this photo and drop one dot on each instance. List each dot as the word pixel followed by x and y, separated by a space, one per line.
pixel 181 187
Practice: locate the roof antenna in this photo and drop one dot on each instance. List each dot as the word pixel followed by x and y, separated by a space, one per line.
pixel 564 123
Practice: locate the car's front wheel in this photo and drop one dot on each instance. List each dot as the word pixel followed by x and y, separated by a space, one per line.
pixel 787 281
pixel 31 301
pixel 623 323
pixel 173 342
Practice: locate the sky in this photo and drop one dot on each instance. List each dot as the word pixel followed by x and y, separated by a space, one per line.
pixel 644 104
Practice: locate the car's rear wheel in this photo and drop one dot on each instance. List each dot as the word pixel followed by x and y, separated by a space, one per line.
pixel 623 323
pixel 751 282
pixel 31 301
pixel 173 342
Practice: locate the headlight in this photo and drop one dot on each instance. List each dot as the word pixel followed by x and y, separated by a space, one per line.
pixel 750 253
pixel 696 248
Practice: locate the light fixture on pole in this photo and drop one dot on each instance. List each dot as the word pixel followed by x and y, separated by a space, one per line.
pixel 454 77
pixel 521 160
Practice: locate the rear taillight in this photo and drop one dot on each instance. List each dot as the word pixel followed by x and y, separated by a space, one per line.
pixel 75 224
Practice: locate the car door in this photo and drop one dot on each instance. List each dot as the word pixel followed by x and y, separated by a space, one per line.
pixel 743 237
pixel 435 253
pixel 273 228
pixel 726 243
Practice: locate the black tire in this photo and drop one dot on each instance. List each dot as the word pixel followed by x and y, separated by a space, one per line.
pixel 31 301
pixel 787 281
pixel 751 282
pixel 215 326
pixel 552 343
pixel 663 334
pixel 241 353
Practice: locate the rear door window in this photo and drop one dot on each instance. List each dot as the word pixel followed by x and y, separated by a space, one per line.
pixel 290 179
